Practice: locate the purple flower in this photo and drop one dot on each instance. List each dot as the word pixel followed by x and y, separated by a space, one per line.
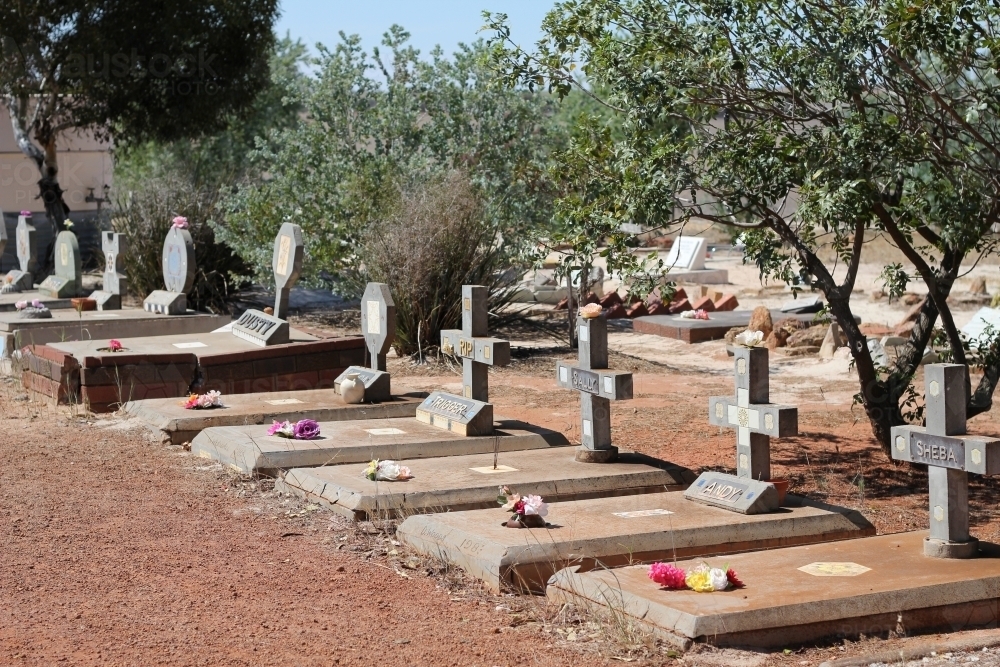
pixel 26 214
pixel 306 429
pixel 37 304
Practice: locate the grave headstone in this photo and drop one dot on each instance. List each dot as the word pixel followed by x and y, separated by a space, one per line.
pixel 470 414
pixel 110 298
pixel 287 265
pixel 378 326
pixel 598 386
pixel 178 274
pixel 950 456
pixel 22 279
pixel 67 281
pixel 259 327
pixel 756 421
pixel 686 254
pixel 3 234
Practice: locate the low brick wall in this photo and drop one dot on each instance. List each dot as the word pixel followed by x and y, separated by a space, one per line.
pixel 104 383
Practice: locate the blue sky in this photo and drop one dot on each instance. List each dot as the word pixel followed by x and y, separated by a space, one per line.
pixel 430 22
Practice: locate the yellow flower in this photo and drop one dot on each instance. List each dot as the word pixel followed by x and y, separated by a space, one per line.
pixel 700 580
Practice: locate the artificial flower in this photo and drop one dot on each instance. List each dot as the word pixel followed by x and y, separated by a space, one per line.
pixel 700 579
pixel 750 338
pixel 180 222
pixel 533 505
pixel 387 471
pixel 35 303
pixel 26 214
pixel 21 305
pixel 718 578
pixel 306 429
pixel 591 310
pixel 115 345
pixel 734 579
pixel 695 314
pixel 513 500
pixel 283 429
pixel 668 575
pixel 68 224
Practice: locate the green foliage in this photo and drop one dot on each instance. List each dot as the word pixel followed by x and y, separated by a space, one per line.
pixel 818 126
pixel 381 123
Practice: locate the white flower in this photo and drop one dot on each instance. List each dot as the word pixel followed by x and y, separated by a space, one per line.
pixel 390 471
pixel 212 399
pixel 720 581
pixel 688 314
pixel 750 338
pixel 534 505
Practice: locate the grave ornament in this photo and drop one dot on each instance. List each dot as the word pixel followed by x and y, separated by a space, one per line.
pixel 22 280
pixel 262 328
pixel 756 421
pixel 950 456
pixel 597 386
pixel 378 325
pixel 471 413
pixel 178 274
pixel 67 281
pixel 110 298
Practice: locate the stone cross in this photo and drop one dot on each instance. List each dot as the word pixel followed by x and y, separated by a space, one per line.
pixel 25 237
pixel 472 345
pixel 113 245
pixel 950 456
pixel 755 419
pixel 287 265
pixel 67 280
pixel 597 386
pixel 378 323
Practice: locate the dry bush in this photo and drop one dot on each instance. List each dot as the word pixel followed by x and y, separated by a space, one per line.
pixel 437 240
pixel 144 215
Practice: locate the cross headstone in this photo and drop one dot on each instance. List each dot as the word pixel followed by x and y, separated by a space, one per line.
pixel 67 281
pixel 287 264
pixel 471 413
pixel 22 279
pixel 259 327
pixel 378 325
pixel 110 298
pixel 756 421
pixel 597 386
pixel 178 274
pixel 950 456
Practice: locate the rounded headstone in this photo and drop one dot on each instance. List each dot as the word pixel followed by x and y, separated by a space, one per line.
pixel 178 260
pixel 288 252
pixel 67 256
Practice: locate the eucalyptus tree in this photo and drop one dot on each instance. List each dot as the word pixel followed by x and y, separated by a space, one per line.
pixel 809 127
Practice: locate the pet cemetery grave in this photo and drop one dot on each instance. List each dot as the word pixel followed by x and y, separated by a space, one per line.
pixel 17 287
pixel 369 385
pixel 444 424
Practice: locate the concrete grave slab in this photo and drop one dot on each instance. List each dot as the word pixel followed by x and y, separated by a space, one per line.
pixel 96 326
pixel 9 300
pixel 802 594
pixel 455 483
pixel 250 449
pixel 612 532
pixel 697 331
pixel 168 416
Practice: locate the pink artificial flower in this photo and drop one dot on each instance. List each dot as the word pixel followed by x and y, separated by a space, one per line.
pixel 180 222
pixel 21 305
pixel 192 402
pixel 35 303
pixel 700 315
pixel 115 345
pixel 26 214
pixel 283 429
pixel 668 575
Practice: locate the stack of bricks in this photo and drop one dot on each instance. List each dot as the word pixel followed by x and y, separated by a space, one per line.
pixel 103 383
pixel 615 307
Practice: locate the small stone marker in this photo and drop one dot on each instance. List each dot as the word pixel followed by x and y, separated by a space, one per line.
pixel 597 386
pixel 287 265
pixel 378 325
pixel 67 280
pixel 686 254
pixel 178 274
pixel 756 421
pixel 950 456
pixel 258 327
pixel 470 414
pixel 24 236
pixel 110 298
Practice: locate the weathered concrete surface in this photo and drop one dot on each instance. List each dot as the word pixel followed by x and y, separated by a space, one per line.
pixel 8 300
pixel 250 449
pixel 168 416
pixel 457 483
pixel 896 588
pixel 612 532
pixel 99 326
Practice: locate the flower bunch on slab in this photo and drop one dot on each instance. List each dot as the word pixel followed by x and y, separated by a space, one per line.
pixel 387 471
pixel 695 315
pixel 34 303
pixel 527 511
pixel 304 429
pixel 702 578
pixel 206 401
